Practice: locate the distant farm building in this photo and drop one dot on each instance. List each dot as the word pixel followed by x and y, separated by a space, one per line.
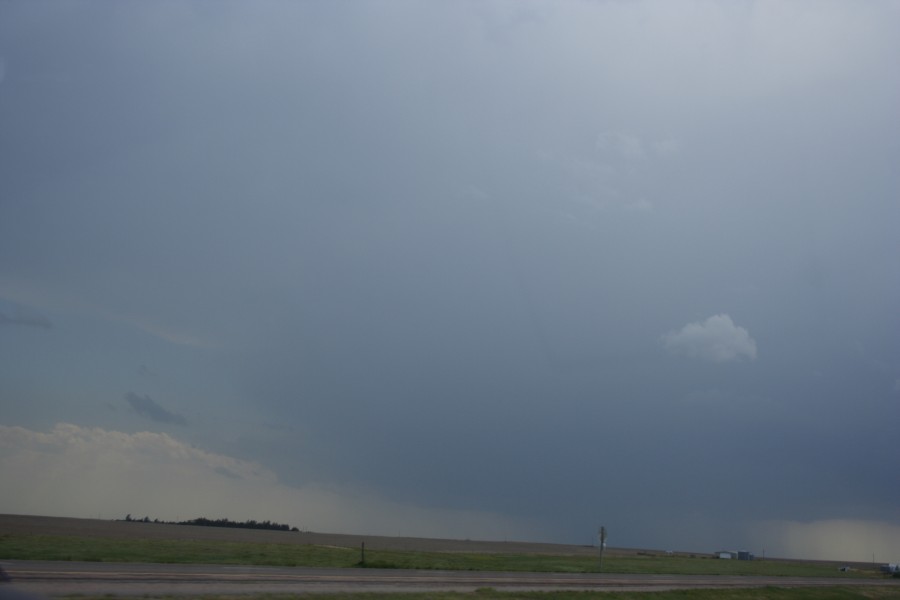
pixel 734 555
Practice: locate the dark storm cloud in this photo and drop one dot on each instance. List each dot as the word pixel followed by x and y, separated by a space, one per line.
pixel 587 260
pixel 145 371
pixel 26 321
pixel 149 408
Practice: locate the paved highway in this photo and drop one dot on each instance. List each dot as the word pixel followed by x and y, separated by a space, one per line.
pixel 57 578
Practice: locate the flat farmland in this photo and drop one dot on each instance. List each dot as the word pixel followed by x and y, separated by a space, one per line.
pixel 133 530
pixel 39 538
pixel 112 559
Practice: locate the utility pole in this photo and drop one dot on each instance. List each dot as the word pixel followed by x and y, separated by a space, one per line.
pixel 602 535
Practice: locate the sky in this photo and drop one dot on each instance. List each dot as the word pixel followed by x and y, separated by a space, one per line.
pixel 487 270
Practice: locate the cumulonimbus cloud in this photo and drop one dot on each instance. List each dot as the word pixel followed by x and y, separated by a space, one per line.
pixel 82 472
pixel 716 339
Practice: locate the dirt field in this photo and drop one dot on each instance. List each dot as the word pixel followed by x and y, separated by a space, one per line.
pixel 122 529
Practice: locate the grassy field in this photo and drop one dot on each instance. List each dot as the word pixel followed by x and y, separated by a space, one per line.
pixel 767 593
pixel 48 538
pixel 187 551
pixel 93 540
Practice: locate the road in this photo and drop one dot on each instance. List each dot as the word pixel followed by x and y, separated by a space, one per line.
pixel 121 579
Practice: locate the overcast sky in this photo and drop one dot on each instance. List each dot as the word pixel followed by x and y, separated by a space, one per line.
pixel 472 269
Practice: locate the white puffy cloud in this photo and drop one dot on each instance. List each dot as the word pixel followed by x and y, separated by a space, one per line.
pixel 716 339
pixel 84 472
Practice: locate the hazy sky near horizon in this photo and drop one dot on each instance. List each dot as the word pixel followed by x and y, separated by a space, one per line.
pixel 474 269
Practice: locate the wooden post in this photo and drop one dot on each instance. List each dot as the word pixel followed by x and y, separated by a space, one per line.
pixel 362 554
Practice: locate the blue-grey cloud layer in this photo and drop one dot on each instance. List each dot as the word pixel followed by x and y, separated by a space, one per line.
pixel 151 409
pixel 631 263
pixel 26 321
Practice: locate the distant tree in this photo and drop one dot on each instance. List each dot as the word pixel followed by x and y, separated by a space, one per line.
pixel 205 522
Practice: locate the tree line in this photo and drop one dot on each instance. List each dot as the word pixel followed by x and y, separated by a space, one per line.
pixel 204 522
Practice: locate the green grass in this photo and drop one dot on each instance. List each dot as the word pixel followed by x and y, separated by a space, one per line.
pixel 767 593
pixel 675 565
pixel 37 547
